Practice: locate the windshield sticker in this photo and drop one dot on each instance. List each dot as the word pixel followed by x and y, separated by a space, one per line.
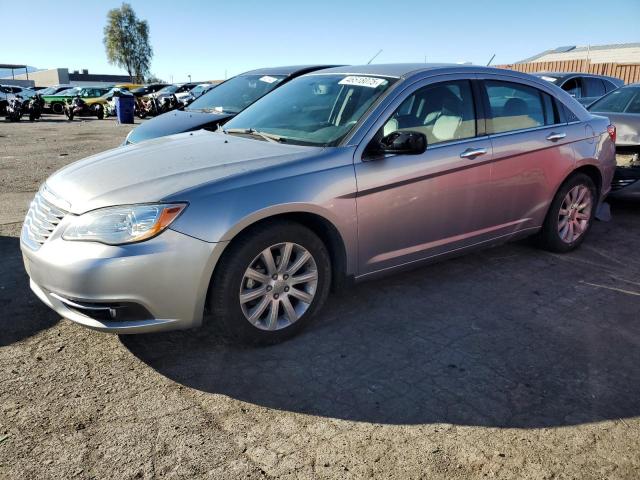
pixel 370 82
pixel 268 79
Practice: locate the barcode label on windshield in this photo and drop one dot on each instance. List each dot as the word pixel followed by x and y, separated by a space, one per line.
pixel 370 82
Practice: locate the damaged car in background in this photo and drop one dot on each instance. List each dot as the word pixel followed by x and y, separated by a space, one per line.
pixel 622 107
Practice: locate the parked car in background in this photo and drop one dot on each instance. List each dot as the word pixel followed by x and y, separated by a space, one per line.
pixel 8 92
pixel 177 89
pixel 345 173
pixel 148 89
pixel 197 92
pixel 622 107
pixel 54 89
pixel 221 103
pixel 584 87
pixel 56 103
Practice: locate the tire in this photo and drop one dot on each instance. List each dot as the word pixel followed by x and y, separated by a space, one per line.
pixel 560 236
pixel 57 108
pixel 229 280
pixel 100 113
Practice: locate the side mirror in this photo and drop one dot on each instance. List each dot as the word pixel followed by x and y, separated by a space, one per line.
pixel 405 142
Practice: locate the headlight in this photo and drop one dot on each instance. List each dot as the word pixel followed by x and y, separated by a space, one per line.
pixel 124 224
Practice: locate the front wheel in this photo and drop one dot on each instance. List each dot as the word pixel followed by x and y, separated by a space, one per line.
pixel 570 215
pixel 270 283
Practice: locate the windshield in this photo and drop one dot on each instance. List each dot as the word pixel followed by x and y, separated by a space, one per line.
pixel 48 91
pixel 168 89
pixel 312 109
pixel 616 101
pixel 197 91
pixel 69 91
pixel 236 94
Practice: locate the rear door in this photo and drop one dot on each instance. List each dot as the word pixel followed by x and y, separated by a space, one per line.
pixel 532 151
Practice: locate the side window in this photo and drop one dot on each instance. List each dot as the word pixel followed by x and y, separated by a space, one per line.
pixel 594 87
pixel 513 106
pixel 609 86
pixel 443 112
pixel 573 87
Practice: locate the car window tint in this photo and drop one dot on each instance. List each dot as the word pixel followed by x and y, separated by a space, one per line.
pixel 573 87
pixel 609 86
pixel 616 101
pixel 634 105
pixel 513 106
pixel 594 87
pixel 442 112
pixel 551 115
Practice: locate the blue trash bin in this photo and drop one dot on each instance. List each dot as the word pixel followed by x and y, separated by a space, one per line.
pixel 124 109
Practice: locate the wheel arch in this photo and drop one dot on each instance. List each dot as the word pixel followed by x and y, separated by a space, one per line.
pixel 592 172
pixel 318 223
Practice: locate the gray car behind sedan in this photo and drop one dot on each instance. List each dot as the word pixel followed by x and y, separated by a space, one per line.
pixel 342 174
pixel 622 107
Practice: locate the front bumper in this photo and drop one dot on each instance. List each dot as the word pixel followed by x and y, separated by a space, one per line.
pixel 160 284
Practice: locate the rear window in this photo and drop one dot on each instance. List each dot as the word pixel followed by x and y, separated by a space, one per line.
pixel 616 101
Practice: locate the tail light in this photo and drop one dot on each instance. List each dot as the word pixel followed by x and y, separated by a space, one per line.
pixel 611 130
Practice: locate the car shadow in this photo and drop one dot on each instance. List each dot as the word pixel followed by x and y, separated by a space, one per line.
pixel 507 337
pixel 23 315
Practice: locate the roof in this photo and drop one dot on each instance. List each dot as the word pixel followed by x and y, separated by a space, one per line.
pixel 397 70
pixel 616 53
pixel 560 75
pixel 290 70
pixel 11 66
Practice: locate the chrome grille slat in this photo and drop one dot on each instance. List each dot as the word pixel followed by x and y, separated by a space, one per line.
pixel 42 219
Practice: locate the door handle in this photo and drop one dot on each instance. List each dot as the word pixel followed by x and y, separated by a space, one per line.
pixel 473 152
pixel 554 137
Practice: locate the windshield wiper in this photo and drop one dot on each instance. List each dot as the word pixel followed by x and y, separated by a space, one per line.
pixel 269 137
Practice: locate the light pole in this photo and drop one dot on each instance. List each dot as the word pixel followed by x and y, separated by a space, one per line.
pixel 189 78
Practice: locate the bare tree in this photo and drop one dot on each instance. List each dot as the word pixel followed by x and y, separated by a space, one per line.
pixel 126 40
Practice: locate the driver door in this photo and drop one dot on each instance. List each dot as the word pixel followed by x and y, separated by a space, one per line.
pixel 411 207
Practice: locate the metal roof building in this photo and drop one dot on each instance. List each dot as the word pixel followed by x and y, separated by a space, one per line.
pixel 615 53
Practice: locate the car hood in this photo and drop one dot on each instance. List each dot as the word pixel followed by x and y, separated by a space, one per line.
pixel 176 121
pixel 155 170
pixel 627 127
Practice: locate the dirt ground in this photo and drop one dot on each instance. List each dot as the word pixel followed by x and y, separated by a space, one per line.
pixel 509 363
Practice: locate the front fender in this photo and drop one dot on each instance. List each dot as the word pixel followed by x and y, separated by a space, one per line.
pixel 325 188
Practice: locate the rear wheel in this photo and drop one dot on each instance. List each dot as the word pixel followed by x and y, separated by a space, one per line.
pixel 570 215
pixel 270 283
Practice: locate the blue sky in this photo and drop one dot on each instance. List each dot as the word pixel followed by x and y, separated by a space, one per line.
pixel 208 38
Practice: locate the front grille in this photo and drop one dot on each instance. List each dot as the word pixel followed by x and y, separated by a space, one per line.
pixel 41 220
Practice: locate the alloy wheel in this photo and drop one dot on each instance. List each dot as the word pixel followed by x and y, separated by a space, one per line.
pixel 575 213
pixel 278 286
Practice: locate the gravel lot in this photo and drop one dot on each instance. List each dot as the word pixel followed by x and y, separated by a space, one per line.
pixel 509 363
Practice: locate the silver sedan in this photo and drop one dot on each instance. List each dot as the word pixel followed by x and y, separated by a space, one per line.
pixel 341 175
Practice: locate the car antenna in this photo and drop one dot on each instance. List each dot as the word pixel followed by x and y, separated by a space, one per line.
pixel 489 63
pixel 373 58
